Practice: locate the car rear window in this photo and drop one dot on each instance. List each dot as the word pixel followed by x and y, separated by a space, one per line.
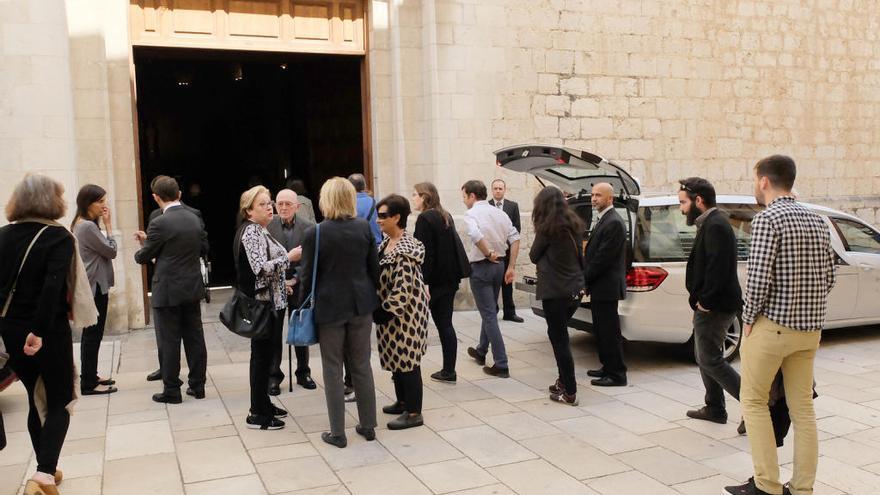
pixel 662 233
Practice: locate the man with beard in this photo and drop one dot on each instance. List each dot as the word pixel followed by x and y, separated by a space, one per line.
pixel 715 294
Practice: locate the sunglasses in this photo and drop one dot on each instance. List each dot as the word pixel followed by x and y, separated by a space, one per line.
pixel 384 214
pixel 685 188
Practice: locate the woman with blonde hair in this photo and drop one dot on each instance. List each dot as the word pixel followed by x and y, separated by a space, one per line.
pixel 260 264
pixel 345 296
pixel 37 267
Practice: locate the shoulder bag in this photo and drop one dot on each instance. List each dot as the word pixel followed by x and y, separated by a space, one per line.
pixel 15 282
pixel 245 315
pixel 301 329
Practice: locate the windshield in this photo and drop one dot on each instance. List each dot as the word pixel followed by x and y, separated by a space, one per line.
pixel 662 233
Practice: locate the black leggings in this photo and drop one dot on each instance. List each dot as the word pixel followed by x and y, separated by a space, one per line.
pixel 260 366
pixel 91 342
pixel 408 388
pixel 53 364
pixel 557 313
pixel 441 303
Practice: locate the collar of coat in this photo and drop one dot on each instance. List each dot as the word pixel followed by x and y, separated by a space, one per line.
pixel 408 247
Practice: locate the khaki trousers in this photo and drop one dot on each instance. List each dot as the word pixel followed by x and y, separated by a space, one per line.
pixel 768 348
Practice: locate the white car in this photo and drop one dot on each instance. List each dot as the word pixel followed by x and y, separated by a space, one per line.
pixel 656 306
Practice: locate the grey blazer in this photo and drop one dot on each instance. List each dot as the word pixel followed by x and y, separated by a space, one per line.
pixel 97 252
pixel 300 225
pixel 176 240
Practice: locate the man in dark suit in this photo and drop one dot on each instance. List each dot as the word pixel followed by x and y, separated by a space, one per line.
pixel 176 240
pixel 157 375
pixel 605 279
pixel 715 294
pixel 288 228
pixel 499 188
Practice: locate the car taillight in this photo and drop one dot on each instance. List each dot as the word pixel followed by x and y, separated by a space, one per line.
pixel 645 278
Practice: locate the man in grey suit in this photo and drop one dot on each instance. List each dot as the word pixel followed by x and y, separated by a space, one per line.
pixel 288 228
pixel 499 188
pixel 174 241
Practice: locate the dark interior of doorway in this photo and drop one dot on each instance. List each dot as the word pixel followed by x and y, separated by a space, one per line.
pixel 222 121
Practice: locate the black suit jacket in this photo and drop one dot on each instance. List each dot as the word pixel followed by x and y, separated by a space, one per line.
pixel 512 210
pixel 445 262
pixel 605 259
pixel 40 300
pixel 158 211
pixel 176 240
pixel 348 270
pixel 711 277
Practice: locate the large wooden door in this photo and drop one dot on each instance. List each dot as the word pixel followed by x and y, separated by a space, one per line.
pixel 311 26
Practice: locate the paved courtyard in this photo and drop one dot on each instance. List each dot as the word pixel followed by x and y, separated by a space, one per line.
pixel 482 436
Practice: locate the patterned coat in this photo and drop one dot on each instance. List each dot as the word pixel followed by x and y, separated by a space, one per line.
pixel 403 340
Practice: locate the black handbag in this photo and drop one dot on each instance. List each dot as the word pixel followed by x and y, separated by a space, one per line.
pixel 244 315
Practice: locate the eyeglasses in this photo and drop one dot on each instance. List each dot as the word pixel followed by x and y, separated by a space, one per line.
pixel 270 204
pixel 383 215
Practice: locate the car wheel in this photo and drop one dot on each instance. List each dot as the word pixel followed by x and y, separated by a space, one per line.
pixel 733 339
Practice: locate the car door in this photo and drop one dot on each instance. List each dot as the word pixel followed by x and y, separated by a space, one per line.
pixel 845 294
pixel 862 245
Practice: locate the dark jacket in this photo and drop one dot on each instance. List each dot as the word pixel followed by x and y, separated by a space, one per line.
pixel 605 259
pixel 300 224
pixel 559 263
pixel 512 210
pixel 711 277
pixel 445 262
pixel 205 246
pixel 348 270
pixel 175 240
pixel 40 300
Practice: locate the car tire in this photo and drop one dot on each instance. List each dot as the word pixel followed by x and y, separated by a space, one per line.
pixel 732 342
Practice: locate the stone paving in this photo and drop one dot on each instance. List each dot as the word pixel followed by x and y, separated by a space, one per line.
pixel 482 436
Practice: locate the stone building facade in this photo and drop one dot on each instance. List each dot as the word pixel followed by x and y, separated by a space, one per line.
pixel 666 89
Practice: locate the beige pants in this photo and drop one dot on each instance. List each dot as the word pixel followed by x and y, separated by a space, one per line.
pixel 767 349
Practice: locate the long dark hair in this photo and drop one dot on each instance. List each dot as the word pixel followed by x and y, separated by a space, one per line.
pixel 552 217
pixel 431 199
pixel 87 195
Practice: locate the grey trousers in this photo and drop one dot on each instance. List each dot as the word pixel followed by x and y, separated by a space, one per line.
pixel 718 375
pixel 351 337
pixel 486 280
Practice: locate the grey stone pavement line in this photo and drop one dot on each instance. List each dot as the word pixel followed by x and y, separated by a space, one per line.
pixel 482 436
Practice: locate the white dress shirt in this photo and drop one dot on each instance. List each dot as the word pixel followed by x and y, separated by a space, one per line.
pixel 484 221
pixel 169 205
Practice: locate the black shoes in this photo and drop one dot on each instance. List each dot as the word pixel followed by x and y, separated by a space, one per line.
pixel 444 376
pixel 741 429
pixel 337 441
pixel 106 381
pixel 496 371
pixel 306 382
pixel 368 433
pixel 255 422
pixel 274 388
pixel 599 373
pixel 406 420
pixel 167 398
pixel 198 393
pixel 96 391
pixel 350 396
pixel 155 376
pixel 396 408
pixel 513 318
pixel 556 388
pixel 277 412
pixel 749 488
pixel 475 354
pixel 607 381
pixel 707 414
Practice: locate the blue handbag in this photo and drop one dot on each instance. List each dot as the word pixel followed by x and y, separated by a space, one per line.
pixel 301 328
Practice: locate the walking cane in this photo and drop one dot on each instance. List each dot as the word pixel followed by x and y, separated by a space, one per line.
pixel 289 370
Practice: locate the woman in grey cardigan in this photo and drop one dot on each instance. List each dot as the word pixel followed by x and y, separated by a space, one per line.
pixel 97 249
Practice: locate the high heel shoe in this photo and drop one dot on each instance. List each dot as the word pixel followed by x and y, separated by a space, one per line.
pixel 34 488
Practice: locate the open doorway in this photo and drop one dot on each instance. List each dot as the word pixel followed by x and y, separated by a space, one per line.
pixel 222 121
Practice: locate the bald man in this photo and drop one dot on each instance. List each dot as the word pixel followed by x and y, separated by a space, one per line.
pixel 289 228
pixel 605 280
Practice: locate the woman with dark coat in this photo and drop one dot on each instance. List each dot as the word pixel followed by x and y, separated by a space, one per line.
pixel 34 322
pixel 444 266
pixel 402 318
pixel 98 250
pixel 557 252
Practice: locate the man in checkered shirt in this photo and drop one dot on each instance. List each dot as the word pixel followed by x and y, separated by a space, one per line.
pixel 791 271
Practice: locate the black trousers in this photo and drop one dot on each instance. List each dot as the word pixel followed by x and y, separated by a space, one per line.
pixel 557 313
pixel 91 342
pixel 441 304
pixel 53 365
pixel 606 325
pixel 176 324
pixel 507 292
pixel 276 375
pixel 262 351
pixel 408 388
